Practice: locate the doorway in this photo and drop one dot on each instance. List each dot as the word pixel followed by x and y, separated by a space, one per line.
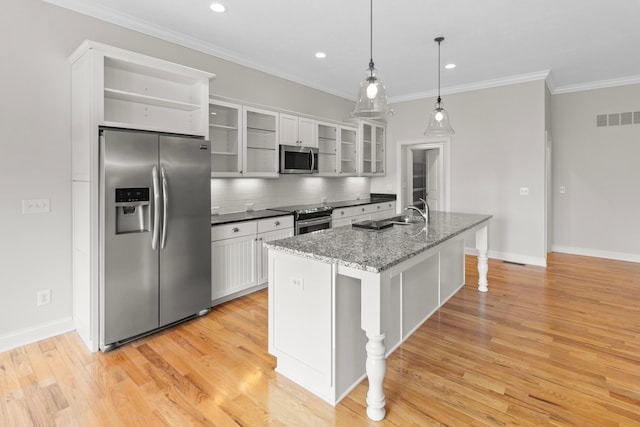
pixel 424 173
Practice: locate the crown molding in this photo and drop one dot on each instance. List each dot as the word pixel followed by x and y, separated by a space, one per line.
pixel 144 27
pixel 487 84
pixel 603 84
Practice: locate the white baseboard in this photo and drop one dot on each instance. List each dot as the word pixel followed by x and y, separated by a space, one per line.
pixel 619 256
pixel 36 333
pixel 505 256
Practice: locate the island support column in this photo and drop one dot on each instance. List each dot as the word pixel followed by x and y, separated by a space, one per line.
pixel 482 245
pixel 375 309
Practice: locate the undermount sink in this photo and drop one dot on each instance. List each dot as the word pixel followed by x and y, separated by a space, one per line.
pixel 387 222
pixel 404 219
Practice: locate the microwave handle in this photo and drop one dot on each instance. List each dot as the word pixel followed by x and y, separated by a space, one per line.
pixel 313 160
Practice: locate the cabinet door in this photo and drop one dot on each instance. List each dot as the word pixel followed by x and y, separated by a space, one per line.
pixel 263 264
pixel 233 265
pixel 327 142
pixel 225 133
pixel 348 164
pixel 307 132
pixel 296 130
pixel 260 142
pixel 366 148
pixel 379 150
pixel 288 129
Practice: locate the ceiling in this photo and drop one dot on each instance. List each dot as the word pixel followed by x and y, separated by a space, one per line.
pixel 580 44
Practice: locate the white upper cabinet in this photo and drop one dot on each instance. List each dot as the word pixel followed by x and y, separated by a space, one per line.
pixel 140 92
pixel 371 148
pixel 348 158
pixel 327 143
pixel 225 133
pixel 260 142
pixel 296 130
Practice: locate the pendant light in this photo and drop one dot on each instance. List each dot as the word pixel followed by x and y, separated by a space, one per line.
pixel 372 98
pixel 439 119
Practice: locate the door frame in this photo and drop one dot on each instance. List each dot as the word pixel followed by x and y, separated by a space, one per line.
pixel 443 145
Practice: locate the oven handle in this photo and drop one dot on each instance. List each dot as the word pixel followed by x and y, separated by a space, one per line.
pixel 314 221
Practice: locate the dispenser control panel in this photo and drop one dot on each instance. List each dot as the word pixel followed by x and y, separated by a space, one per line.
pixel 129 195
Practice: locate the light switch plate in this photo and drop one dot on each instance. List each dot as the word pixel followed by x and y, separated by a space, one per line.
pixel 33 206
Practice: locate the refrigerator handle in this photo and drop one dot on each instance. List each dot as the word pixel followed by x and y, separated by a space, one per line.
pixel 165 207
pixel 156 208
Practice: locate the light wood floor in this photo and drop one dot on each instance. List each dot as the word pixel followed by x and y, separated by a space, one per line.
pixel 559 346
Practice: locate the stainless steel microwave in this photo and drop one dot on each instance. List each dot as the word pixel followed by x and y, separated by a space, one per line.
pixel 297 159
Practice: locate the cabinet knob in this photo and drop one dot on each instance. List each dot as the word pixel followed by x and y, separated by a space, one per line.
pixel 260 239
pixel 362 209
pixel 235 229
pixel 277 223
pixel 378 206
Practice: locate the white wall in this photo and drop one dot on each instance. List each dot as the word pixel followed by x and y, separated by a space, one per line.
pixel 498 147
pixel 598 214
pixel 35 108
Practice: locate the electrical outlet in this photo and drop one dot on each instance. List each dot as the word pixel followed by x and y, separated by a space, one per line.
pixel 524 191
pixel 357 196
pixel 34 206
pixel 297 283
pixel 323 199
pixel 249 207
pixel 563 189
pixel 44 297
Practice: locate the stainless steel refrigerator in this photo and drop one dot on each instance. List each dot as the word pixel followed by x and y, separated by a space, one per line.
pixel 155 232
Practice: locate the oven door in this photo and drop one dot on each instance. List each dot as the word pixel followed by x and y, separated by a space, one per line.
pixel 294 159
pixel 309 225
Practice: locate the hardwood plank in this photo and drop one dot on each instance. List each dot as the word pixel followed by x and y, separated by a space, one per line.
pixel 554 346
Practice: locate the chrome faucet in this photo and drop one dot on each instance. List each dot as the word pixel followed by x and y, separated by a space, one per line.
pixel 425 214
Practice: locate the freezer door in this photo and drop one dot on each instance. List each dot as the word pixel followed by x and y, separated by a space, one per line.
pixel 185 241
pixel 129 264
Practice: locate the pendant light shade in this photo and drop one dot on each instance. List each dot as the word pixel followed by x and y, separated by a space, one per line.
pixel 439 123
pixel 372 96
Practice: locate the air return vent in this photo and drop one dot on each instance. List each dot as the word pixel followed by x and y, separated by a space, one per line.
pixel 618 119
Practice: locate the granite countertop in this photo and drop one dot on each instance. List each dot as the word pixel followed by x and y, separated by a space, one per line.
pixel 267 213
pixel 245 216
pixel 376 251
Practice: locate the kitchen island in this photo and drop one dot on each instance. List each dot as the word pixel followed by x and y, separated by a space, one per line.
pixel 341 300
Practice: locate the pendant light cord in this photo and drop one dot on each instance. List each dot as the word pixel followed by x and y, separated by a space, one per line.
pixel 439 40
pixel 371 38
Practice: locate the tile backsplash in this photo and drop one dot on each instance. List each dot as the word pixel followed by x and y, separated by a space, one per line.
pixel 233 194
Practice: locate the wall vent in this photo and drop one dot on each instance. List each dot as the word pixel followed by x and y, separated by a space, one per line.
pixel 618 119
pixel 626 118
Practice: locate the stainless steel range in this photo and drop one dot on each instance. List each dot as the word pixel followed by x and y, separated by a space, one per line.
pixel 309 218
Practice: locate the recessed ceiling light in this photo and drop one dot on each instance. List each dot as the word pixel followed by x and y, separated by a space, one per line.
pixel 321 55
pixel 450 66
pixel 218 7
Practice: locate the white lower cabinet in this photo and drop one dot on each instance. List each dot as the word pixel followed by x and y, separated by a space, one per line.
pixel 268 230
pixel 238 259
pixel 347 216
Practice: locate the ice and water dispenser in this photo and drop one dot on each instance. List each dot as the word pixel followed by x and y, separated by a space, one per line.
pixel 133 210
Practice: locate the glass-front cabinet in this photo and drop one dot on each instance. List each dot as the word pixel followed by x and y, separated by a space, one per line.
pixel 260 142
pixel 348 151
pixel 225 132
pixel 327 135
pixel 372 149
